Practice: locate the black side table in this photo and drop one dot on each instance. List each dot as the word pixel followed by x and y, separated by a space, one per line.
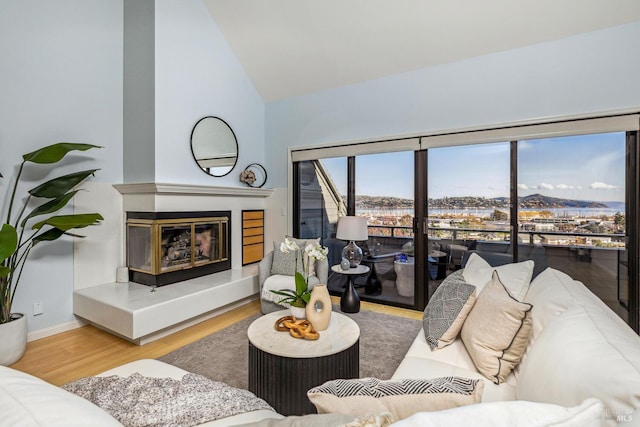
pixel 350 300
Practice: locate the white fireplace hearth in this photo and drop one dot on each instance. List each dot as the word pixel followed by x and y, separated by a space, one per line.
pixel 132 310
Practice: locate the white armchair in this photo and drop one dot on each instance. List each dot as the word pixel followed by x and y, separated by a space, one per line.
pixel 278 281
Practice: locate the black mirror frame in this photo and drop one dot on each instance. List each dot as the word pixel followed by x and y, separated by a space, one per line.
pixel 234 138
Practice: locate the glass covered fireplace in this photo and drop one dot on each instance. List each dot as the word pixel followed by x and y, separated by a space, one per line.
pixel 168 247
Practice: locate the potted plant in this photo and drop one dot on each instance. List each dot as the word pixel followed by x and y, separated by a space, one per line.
pixel 22 231
pixel 298 298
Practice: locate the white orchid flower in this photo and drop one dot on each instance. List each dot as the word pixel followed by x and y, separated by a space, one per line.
pixel 316 252
pixel 288 246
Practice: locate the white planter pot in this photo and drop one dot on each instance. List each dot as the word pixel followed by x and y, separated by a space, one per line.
pixel 298 312
pixel 13 340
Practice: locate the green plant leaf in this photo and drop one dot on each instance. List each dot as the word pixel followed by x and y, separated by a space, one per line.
pixel 8 241
pixel 4 271
pixel 301 284
pixel 48 236
pixel 67 222
pixel 59 186
pixel 306 297
pixel 285 293
pixel 51 206
pixel 55 152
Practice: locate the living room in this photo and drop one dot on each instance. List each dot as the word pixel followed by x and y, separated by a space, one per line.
pixel 136 83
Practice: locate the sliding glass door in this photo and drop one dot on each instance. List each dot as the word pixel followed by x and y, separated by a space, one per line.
pixel 570 202
pixel 378 187
pixel 572 213
pixel 468 205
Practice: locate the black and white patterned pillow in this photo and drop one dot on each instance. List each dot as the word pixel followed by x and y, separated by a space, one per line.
pixel 380 388
pixel 402 398
pixel 447 310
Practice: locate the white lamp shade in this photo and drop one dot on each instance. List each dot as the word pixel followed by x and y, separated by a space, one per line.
pixel 352 228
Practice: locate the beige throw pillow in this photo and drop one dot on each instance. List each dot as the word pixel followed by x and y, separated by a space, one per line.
pixel 497 331
pixel 401 398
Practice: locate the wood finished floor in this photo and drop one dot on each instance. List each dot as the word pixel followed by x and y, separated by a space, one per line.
pixel 87 351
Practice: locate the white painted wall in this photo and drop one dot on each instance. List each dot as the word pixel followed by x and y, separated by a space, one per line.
pixel 60 80
pixel 593 72
pixel 197 74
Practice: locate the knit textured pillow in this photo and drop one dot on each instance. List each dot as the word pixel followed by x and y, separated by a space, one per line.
pixel 285 262
pixel 402 398
pixel 447 310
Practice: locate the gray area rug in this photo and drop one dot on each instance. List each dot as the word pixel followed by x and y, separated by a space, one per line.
pixel 223 355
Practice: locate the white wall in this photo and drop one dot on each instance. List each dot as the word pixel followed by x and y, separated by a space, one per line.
pixel 197 74
pixel 60 80
pixel 593 72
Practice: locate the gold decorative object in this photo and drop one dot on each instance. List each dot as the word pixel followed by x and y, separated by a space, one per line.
pixel 254 175
pixel 298 328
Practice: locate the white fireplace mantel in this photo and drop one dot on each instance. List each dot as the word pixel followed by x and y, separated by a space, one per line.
pixel 156 188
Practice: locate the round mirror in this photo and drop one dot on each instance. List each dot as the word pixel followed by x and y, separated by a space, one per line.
pixel 214 146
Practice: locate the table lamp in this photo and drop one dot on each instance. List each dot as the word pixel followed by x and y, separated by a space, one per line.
pixel 352 228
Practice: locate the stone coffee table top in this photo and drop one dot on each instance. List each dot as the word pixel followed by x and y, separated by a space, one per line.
pixel 341 334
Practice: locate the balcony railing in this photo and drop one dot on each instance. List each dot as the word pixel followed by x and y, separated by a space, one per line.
pixel 406 233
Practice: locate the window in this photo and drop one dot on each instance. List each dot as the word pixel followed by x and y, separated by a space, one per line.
pixel 571 210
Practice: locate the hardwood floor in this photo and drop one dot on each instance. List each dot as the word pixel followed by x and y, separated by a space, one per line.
pixel 87 351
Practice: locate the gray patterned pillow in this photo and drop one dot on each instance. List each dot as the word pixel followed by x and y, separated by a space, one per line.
pixel 402 398
pixel 285 262
pixel 447 310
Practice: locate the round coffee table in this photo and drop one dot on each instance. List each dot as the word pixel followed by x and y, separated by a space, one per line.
pixel 282 368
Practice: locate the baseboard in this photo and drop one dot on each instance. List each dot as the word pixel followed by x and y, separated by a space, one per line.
pixel 53 330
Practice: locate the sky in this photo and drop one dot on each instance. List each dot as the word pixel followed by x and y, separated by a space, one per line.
pixel 588 167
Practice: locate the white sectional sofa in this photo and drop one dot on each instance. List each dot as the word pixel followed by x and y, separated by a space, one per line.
pixel 578 349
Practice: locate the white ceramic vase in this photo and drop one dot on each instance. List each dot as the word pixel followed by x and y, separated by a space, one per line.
pixel 319 308
pixel 13 340
pixel 298 312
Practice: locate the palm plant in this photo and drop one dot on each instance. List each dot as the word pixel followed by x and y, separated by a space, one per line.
pixel 17 239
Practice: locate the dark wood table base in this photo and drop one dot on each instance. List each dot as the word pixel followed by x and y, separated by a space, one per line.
pixel 284 381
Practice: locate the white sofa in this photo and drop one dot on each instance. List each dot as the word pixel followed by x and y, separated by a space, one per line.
pixel 27 401
pixel 579 349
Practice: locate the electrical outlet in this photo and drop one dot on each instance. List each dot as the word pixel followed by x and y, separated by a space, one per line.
pixel 37 308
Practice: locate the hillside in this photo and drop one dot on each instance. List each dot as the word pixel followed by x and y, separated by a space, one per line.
pixel 532 201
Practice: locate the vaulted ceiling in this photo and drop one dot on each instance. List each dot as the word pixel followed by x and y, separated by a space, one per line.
pixel 295 47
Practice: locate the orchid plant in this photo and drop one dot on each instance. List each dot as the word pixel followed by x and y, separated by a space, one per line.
pixel 312 252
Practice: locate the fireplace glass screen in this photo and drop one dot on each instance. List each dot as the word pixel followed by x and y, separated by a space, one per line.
pixel 156 247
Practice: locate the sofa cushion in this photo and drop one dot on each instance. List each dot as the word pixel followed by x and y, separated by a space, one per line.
pixel 447 310
pixel 419 367
pixel 497 331
pixel 511 414
pixel 311 420
pixel 402 398
pixel 516 277
pixel 27 401
pixel 551 293
pixel 583 353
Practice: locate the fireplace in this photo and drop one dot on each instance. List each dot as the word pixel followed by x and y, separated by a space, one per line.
pixel 169 247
